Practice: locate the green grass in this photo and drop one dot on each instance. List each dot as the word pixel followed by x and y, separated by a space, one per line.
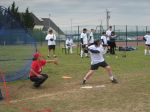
pixel 14 57
pixel 132 94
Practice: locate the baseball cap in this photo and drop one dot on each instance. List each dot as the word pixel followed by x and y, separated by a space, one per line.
pixel 36 55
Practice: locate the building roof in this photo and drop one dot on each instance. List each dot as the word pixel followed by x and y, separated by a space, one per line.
pixel 47 23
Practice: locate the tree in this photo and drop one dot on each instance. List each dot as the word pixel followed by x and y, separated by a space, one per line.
pixel 28 19
pixel 14 11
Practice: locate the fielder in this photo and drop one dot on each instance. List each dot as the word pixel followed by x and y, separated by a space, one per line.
pixel 147 43
pixel 36 74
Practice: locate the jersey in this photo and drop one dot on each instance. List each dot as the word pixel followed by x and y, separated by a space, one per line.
pixel 147 37
pixel 104 39
pixel 37 66
pixel 84 37
pixel 91 39
pixel 51 39
pixel 97 57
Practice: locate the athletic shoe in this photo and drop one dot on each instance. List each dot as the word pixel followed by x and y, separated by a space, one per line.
pixel 84 82
pixel 54 56
pixel 36 85
pixel 48 56
pixel 114 81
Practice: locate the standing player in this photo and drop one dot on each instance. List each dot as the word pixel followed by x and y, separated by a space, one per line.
pixel 84 43
pixel 147 43
pixel 104 39
pixel 36 68
pixel 97 60
pixel 112 42
pixel 91 39
pixel 51 38
pixel 108 34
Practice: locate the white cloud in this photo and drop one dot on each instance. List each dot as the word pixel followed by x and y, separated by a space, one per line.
pixel 87 11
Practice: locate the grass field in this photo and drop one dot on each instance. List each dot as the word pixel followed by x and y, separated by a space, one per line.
pixel 132 94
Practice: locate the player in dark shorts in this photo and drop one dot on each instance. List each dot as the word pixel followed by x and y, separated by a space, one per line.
pixel 97 60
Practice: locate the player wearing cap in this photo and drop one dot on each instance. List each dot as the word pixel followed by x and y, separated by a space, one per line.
pixel 36 74
pixel 91 38
pixel 51 38
pixel 147 43
pixel 97 60
pixel 84 43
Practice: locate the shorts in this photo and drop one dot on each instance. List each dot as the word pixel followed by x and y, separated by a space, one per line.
pixel 51 47
pixel 96 66
pixel 83 46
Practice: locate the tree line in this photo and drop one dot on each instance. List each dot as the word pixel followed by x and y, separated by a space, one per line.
pixel 25 17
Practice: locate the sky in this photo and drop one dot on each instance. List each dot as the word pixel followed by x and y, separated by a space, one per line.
pixel 87 12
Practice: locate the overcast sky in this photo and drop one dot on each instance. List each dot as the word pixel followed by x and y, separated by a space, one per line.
pixel 88 12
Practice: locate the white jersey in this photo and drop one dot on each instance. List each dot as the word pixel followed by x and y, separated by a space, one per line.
pixel 108 33
pixel 147 37
pixel 51 39
pixel 84 37
pixel 97 57
pixel 91 40
pixel 69 43
pixel 104 38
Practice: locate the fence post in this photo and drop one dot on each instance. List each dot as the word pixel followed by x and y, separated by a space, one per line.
pixel 146 29
pixel 126 36
pixel 78 40
pixel 137 34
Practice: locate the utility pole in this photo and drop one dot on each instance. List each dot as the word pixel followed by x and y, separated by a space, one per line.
pixel 49 20
pixel 71 24
pixel 107 17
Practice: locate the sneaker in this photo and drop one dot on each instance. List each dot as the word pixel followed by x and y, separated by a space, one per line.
pixel 84 82
pixel 36 85
pixel 114 81
pixel 48 56
pixel 54 56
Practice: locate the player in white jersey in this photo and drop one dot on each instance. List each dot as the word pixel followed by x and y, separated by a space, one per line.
pixel 147 43
pixel 84 43
pixel 69 44
pixel 108 35
pixel 91 38
pixel 51 38
pixel 97 60
pixel 104 39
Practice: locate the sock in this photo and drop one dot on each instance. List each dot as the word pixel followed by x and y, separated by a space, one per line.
pixel 145 52
pixel 111 77
pixel 85 54
pixel 81 54
pixel 84 78
pixel 149 52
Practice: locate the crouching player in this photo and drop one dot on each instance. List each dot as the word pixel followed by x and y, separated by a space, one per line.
pixel 97 60
pixel 36 68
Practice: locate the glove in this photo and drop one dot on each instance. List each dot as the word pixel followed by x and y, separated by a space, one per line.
pixel 51 39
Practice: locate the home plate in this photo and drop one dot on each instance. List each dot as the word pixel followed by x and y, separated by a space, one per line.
pixel 100 86
pixel 66 77
pixel 87 87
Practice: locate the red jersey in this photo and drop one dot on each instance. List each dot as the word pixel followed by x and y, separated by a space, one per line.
pixel 37 66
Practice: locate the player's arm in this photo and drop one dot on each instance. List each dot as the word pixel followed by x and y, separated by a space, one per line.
pixel 33 72
pixel 103 49
pixel 55 61
pixel 144 38
pixel 81 40
pixel 93 50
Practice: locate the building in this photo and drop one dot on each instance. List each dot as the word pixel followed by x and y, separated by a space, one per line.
pixel 44 24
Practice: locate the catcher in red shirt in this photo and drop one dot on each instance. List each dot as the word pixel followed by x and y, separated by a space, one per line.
pixel 36 68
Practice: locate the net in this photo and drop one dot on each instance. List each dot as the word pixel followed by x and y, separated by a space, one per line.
pixel 16 47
